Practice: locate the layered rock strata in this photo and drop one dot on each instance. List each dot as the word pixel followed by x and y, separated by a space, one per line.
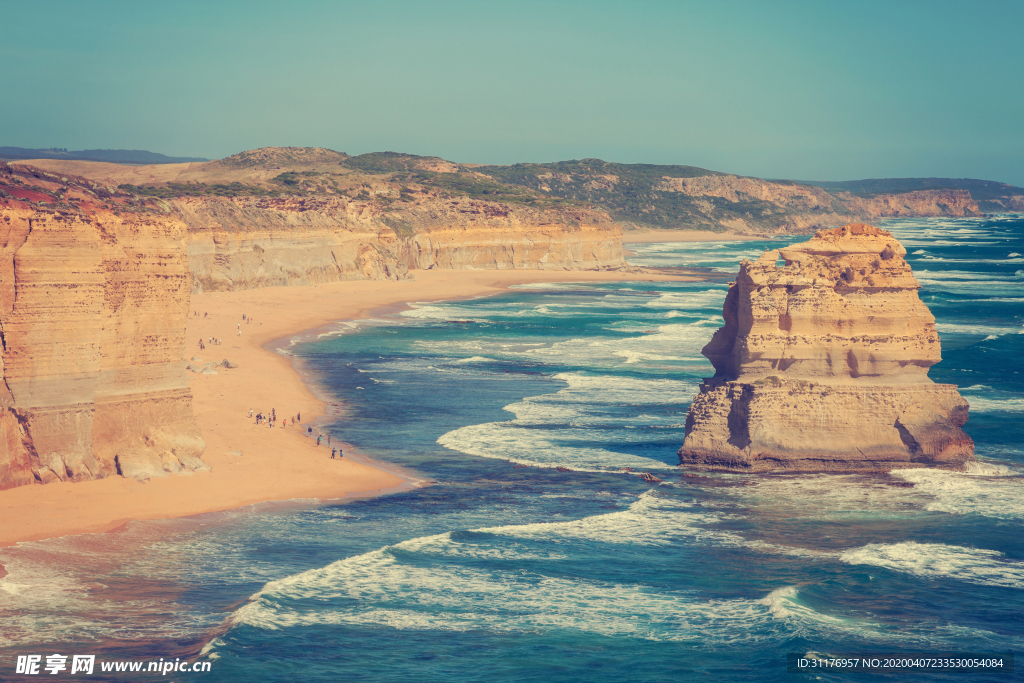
pixel 92 317
pixel 251 242
pixel 822 365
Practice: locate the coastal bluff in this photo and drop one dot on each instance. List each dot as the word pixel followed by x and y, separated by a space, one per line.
pixel 93 304
pixel 822 365
pixel 252 242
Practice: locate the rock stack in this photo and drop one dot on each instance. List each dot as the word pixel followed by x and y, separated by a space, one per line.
pixel 822 365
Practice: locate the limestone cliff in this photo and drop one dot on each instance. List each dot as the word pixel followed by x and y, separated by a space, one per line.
pixel 822 364
pixel 248 242
pixel 93 300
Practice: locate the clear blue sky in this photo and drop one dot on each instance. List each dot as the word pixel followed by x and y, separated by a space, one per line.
pixel 816 90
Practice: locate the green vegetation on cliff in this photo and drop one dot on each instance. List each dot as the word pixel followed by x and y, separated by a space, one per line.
pixel 391 162
pixel 475 186
pixel 629 192
pixel 171 190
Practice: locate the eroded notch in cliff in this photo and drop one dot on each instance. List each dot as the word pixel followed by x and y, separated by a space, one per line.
pixel 739 418
pixel 908 439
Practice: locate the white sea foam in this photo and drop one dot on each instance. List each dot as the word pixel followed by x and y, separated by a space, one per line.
pixel 437 583
pixel 669 342
pixel 56 591
pixel 955 328
pixel 524 446
pixel 708 299
pixel 545 425
pixel 650 521
pixel 984 489
pixel 931 560
pixel 995 405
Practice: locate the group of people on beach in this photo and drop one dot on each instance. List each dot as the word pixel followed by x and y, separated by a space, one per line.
pixel 271 419
pixel 246 318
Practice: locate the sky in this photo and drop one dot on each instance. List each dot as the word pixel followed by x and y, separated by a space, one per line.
pixel 777 89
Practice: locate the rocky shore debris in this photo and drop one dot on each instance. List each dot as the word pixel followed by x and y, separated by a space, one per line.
pixel 143 464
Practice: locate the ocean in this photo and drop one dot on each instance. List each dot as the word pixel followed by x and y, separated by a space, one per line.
pixel 538 552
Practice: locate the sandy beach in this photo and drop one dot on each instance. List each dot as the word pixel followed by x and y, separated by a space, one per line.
pixel 250 463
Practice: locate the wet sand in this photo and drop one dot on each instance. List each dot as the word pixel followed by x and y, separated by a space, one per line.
pixel 253 464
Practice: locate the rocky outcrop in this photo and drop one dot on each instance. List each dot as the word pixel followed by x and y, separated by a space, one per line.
pixel 92 315
pixel 822 365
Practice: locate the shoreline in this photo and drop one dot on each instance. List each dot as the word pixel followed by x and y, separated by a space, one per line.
pixel 255 464
pixel 646 236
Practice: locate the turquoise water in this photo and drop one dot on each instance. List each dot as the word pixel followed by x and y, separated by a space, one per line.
pixel 536 554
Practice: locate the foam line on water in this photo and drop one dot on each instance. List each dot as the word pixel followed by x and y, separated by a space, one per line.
pixel 937 560
pixel 984 489
pixel 602 409
pixel 440 583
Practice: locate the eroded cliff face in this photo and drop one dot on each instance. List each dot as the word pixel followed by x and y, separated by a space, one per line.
pixel 250 242
pixel 822 364
pixel 469 234
pixel 92 316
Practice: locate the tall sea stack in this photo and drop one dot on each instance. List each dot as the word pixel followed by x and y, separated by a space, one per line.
pixel 822 365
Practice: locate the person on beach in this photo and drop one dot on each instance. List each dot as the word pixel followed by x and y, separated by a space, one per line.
pixel 340 454
pixel 298 417
pixel 309 431
pixel 250 412
pixel 318 440
pixel 328 439
pixel 332 454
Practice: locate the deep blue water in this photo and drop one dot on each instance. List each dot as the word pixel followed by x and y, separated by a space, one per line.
pixel 509 569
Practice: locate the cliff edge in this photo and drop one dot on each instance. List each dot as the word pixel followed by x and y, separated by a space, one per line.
pixel 822 365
